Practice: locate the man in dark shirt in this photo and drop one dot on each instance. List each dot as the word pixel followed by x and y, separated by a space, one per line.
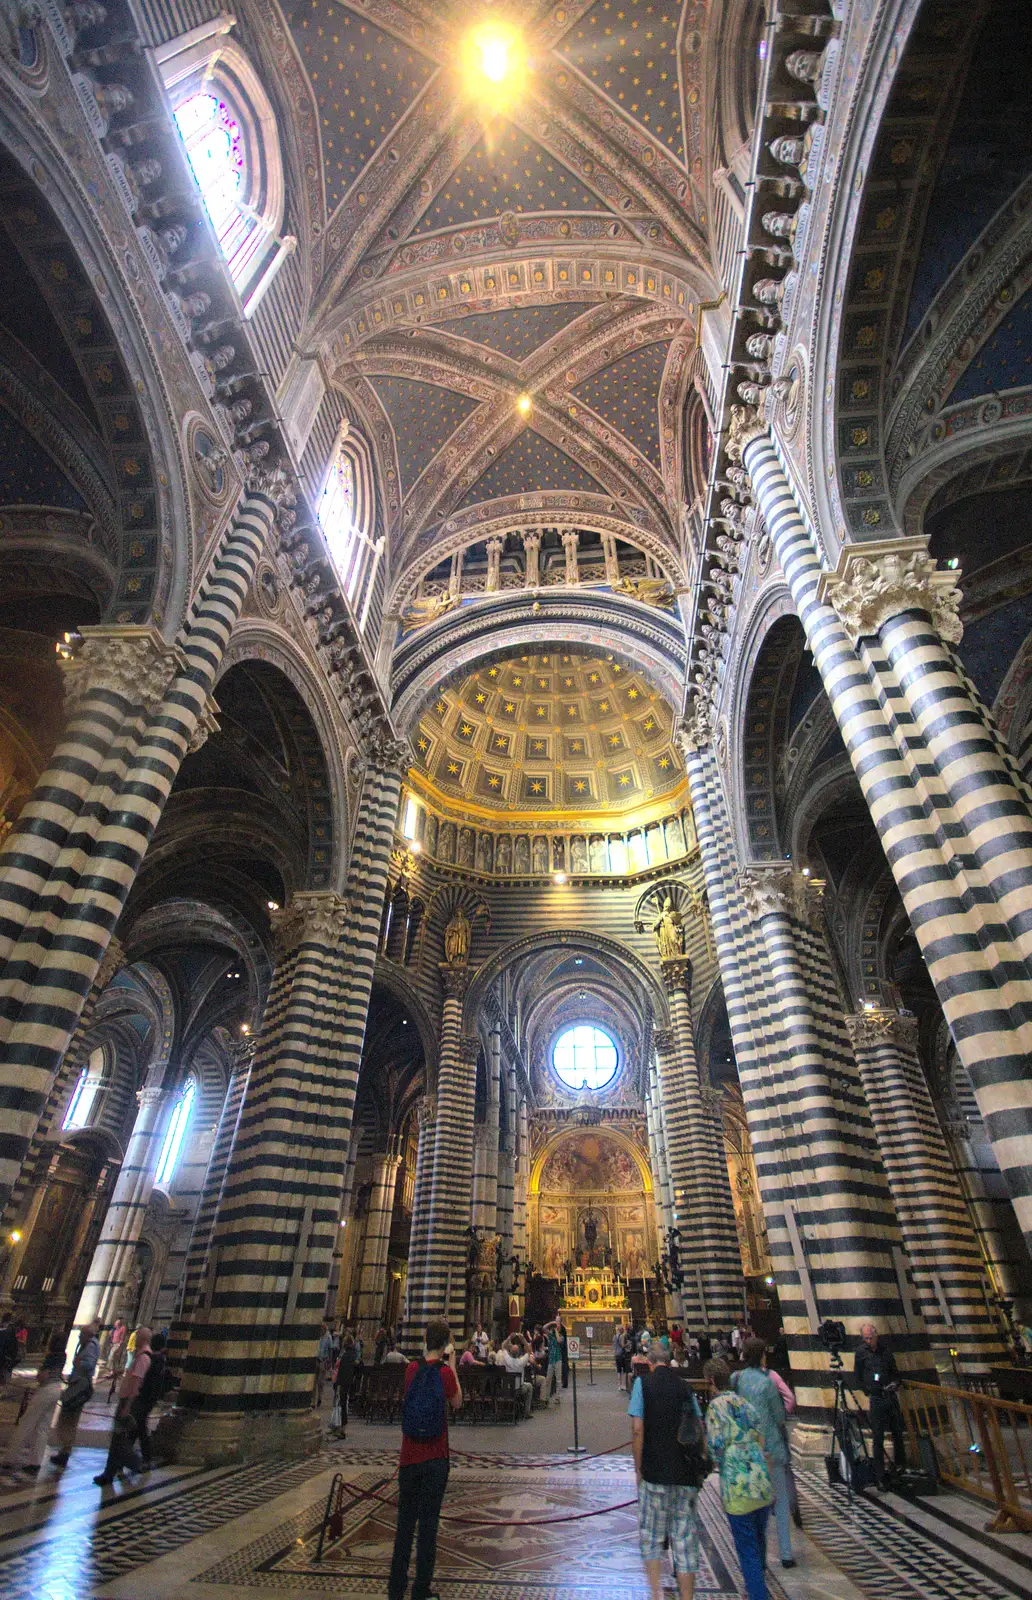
pixel 878 1376
pixel 423 1477
pixel 666 1491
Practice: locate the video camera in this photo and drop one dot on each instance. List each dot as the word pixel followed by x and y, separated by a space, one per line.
pixel 832 1336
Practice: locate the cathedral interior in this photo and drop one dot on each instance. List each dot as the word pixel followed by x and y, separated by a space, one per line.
pixel 516 520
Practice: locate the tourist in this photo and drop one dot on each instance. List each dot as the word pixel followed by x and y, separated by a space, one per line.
pixel 431 1385
pixel 344 1377
pixel 8 1348
pixel 117 1354
pixel 676 1336
pixel 739 1334
pixel 323 1358
pixel 380 1347
pixel 736 1444
pixel 705 1348
pixel 78 1390
pixel 469 1357
pixel 513 1357
pixel 564 1354
pixel 762 1393
pixel 875 1367
pixel 669 1476
pixel 152 1389
pixel 395 1356
pixel 555 1364
pixel 122 1453
pixel 481 1342
pixel 28 1443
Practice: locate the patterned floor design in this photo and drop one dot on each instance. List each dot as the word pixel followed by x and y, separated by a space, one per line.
pixel 59 1541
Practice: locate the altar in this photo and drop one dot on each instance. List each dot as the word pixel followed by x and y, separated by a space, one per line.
pixel 594 1289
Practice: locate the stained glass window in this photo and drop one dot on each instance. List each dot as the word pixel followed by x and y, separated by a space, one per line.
pixel 336 517
pixel 215 145
pixel 176 1134
pixel 585 1055
pixel 85 1092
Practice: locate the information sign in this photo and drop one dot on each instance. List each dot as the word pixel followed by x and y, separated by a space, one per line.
pixel 573 1347
pixel 589 1333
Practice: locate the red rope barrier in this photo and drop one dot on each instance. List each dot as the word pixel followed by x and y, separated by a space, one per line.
pixel 492 1522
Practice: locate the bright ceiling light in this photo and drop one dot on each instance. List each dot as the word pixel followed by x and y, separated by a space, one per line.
pixel 494 56
pixel 524 404
pixel 493 67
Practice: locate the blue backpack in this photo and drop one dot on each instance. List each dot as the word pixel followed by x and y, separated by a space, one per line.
pixel 423 1415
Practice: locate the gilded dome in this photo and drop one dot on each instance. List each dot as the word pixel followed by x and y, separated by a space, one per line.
pixel 571 734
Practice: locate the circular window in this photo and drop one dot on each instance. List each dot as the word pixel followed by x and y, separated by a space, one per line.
pixel 585 1057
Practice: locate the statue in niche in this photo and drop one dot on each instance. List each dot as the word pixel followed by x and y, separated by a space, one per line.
pixel 540 856
pixel 503 854
pixel 430 836
pixel 457 936
pixel 669 931
pixel 447 842
pixel 465 847
pixel 485 852
pixel 599 853
pixel 674 838
pixel 522 855
pixel 578 854
pixel 558 855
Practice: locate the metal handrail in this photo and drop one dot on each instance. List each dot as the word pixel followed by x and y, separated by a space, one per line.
pixel 981 1445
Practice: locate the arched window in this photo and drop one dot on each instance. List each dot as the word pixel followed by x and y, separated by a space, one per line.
pixel 228 127
pixel 585 1056
pixel 85 1091
pixel 346 511
pixel 177 1127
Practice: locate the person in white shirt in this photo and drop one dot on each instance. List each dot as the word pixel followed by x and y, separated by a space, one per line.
pixel 513 1359
pixel 480 1343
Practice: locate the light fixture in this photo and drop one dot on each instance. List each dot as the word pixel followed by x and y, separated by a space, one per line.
pixel 245 1027
pixel 15 1236
pixel 559 877
pixel 953 563
pixel 769 1282
pixel 806 872
pixel 493 65
pixel 273 905
pixel 524 404
pixel 494 56
pixel 415 848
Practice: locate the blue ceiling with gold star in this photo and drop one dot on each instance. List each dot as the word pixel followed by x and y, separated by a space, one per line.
pixel 28 475
pixel 519 331
pixel 506 171
pixel 626 395
pixel 1005 360
pixel 528 464
pixel 629 49
pixel 363 82
pixel 573 732
pixel 423 417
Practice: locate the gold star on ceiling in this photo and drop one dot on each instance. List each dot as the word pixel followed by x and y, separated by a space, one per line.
pixel 580 786
pixel 603 705
pixel 539 711
pixel 501 741
pixel 481 699
pixel 494 783
pixel 492 672
pixel 623 780
pixel 510 708
pixel 537 787
pixel 632 694
pixel 453 768
pixel 466 730
pixel 664 762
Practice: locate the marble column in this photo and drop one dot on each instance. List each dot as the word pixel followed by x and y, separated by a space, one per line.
pixel 447 1249
pixel 521 1186
pixel 532 554
pixel 571 539
pixel 415 1318
pixel 494 557
pixel 372 1283
pixel 346 1197
pixel 938 1236
pixel 105 1286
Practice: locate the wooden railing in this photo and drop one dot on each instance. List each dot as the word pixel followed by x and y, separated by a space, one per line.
pixel 982 1446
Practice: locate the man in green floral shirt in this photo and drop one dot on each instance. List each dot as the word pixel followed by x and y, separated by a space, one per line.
pixel 735 1442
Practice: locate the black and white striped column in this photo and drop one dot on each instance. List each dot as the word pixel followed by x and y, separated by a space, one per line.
pixel 949 864
pixel 415 1319
pixel 52 963
pixel 521 1182
pixel 447 1245
pixel 938 1236
pixel 372 1283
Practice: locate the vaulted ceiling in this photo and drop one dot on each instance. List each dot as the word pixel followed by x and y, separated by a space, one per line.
pixel 547 242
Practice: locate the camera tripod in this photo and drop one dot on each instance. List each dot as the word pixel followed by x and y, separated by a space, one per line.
pixel 847 1434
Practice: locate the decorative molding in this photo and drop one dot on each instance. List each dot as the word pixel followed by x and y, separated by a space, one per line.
pixel 455 978
pixel 874 1026
pixel 134 662
pixel 783 892
pixel 312 916
pixel 875 582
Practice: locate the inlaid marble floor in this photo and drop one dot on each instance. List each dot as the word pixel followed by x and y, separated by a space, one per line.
pixel 244 1533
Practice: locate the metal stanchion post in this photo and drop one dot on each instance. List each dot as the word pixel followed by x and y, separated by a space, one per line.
pixel 573 1351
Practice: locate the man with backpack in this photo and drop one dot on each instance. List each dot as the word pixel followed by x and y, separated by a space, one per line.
pixel 670 1459
pixel 431 1386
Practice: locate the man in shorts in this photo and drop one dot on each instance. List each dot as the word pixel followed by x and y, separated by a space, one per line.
pixel 666 1493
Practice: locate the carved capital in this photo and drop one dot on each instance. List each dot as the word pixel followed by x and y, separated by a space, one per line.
pixel 712 1101
pixel 784 892
pixel 675 970
pixel 387 752
pixel 426 1112
pixel 110 961
pixel 745 426
pixel 872 1027
pixel 137 664
pixel 456 979
pixel 271 481
pixel 695 732
pixel 151 1095
pixel 663 1039
pixel 875 582
pixel 206 724
pixel 313 916
pixel 242 1051
pixel 468 1049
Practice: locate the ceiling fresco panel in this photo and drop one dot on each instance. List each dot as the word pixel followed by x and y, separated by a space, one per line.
pixel 423 417
pixel 506 171
pixel 628 48
pixel 528 464
pixel 626 395
pixel 519 331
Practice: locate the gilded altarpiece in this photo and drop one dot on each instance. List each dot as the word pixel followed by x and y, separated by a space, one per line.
pixel 590 1203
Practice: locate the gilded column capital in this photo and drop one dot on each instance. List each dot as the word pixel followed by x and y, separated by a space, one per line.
pixel 312 916
pixel 242 1051
pixel 875 582
pixel 745 426
pixel 676 971
pixel 663 1039
pixel 136 663
pixel 875 1026
pixel 783 892
pixel 456 979
pixel 110 962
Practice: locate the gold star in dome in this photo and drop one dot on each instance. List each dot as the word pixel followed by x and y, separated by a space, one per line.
pixel 537 787
pixel 453 768
pixel 614 740
pixel 539 711
pixel 623 780
pixel 501 741
pixel 664 762
pixel 538 746
pixel 580 786
pixel 510 708
pixel 632 694
pixel 577 747
pixel 494 783
pixel 592 677
pixel 617 667
pixel 481 698
pixel 517 683
pixel 524 658
pixel 649 724
pixel 466 730
pixel 603 705
pixel 492 672
pixel 567 683
pixel 440 708
pixel 542 683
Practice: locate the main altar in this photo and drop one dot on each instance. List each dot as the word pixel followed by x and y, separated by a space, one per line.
pixel 594 1289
